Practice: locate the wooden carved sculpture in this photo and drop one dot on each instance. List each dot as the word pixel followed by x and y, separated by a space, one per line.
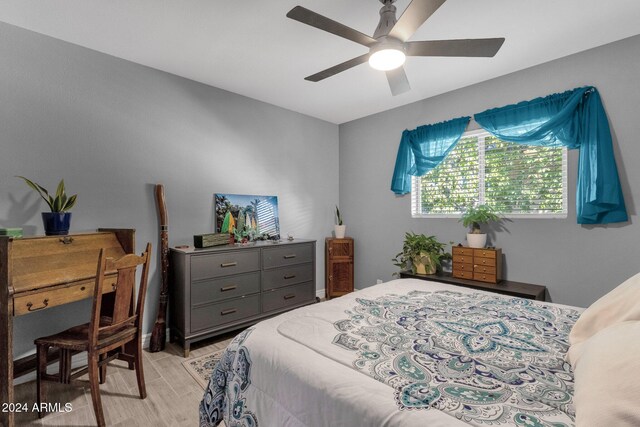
pixel 158 335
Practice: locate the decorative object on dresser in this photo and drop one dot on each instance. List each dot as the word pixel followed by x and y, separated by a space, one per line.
pixel 221 289
pixel 57 222
pixel 247 217
pixel 209 240
pixel 113 332
pixel 338 266
pixel 505 287
pixel 16 233
pixel 159 331
pixel 339 229
pixel 422 254
pixel 473 217
pixel 484 265
pixel 37 273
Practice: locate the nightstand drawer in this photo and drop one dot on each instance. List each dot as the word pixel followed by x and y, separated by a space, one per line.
pixel 463 274
pixel 484 269
pixel 491 278
pixel 286 255
pixel 286 276
pixel 224 264
pixel 463 267
pixel 287 297
pixel 465 259
pixel 484 253
pixel 459 250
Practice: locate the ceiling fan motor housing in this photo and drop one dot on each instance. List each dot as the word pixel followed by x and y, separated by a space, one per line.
pixel 387 19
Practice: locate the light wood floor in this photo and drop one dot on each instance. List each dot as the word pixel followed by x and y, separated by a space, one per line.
pixel 172 399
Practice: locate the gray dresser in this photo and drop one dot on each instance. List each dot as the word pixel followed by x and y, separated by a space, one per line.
pixel 220 289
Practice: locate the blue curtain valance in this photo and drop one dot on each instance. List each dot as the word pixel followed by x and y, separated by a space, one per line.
pixel 424 148
pixel 574 119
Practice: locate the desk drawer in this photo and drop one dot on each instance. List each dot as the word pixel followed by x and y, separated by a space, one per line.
pixel 286 297
pixel 286 276
pixel 224 264
pixel 211 315
pixel 286 255
pixel 216 290
pixel 62 295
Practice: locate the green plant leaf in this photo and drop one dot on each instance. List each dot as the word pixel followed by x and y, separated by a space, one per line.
pixel 60 189
pixel 70 203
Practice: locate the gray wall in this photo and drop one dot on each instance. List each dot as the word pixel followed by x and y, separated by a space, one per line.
pixel 112 129
pixel 577 263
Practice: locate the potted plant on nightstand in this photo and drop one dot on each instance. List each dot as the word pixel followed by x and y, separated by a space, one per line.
pixel 473 217
pixel 56 222
pixel 339 228
pixel 421 254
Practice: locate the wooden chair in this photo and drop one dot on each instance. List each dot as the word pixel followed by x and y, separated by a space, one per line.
pixel 114 331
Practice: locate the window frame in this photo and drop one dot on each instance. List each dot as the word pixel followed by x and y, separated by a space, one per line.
pixel 481 134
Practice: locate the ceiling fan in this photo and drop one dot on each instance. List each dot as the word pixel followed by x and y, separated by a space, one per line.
pixel 389 47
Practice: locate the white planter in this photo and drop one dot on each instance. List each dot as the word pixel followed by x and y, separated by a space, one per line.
pixel 339 230
pixel 476 240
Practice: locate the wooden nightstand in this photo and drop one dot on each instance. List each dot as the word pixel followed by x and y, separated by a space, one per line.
pixel 338 266
pixel 505 287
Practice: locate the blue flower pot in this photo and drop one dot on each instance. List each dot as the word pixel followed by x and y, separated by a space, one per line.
pixel 56 223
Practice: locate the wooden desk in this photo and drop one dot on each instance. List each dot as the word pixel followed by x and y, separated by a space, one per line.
pixel 505 287
pixel 37 273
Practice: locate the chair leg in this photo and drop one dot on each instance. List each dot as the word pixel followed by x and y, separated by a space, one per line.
pixel 41 355
pixel 139 369
pixel 95 389
pixel 103 369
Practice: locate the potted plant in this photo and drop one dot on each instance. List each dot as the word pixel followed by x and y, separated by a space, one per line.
pixel 422 254
pixel 57 221
pixel 473 217
pixel 339 228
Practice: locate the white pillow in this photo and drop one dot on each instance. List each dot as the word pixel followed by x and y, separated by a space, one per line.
pixel 607 383
pixel 619 305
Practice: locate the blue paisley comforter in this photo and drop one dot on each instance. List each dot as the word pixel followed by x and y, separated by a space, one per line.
pixel 402 353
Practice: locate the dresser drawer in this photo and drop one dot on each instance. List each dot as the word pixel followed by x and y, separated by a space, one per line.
pixel 459 250
pixel 286 276
pixel 464 259
pixel 204 316
pixel 491 262
pixel 285 255
pixel 463 274
pixel 286 297
pixel 484 269
pixel 491 278
pixel 215 290
pixel 484 253
pixel 463 266
pixel 224 264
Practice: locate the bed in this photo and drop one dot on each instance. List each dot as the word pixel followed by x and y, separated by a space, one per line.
pixel 402 353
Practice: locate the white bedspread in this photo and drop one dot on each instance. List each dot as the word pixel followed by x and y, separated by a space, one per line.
pixel 370 359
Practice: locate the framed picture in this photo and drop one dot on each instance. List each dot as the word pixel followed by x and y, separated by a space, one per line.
pixel 248 216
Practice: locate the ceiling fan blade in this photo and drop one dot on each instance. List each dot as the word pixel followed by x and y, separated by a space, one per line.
pixel 309 17
pixel 462 47
pixel 398 81
pixel 338 68
pixel 413 17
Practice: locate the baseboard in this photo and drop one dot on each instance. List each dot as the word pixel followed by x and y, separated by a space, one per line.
pixel 78 360
pixel 320 293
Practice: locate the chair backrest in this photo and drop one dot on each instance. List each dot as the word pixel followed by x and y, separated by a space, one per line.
pixel 117 309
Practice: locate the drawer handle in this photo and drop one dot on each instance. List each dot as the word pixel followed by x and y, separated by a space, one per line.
pixel 30 305
pixel 228 288
pixel 228 264
pixel 289 256
pixel 229 311
pixel 289 296
pixel 289 276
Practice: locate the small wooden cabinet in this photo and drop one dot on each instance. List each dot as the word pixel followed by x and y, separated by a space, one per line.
pixel 339 266
pixel 484 265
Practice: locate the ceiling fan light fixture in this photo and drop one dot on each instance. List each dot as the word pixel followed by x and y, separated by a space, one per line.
pixel 387 59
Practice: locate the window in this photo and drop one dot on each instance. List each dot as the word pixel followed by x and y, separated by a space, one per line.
pixel 516 180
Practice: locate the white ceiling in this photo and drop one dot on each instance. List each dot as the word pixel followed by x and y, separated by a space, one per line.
pixel 251 48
